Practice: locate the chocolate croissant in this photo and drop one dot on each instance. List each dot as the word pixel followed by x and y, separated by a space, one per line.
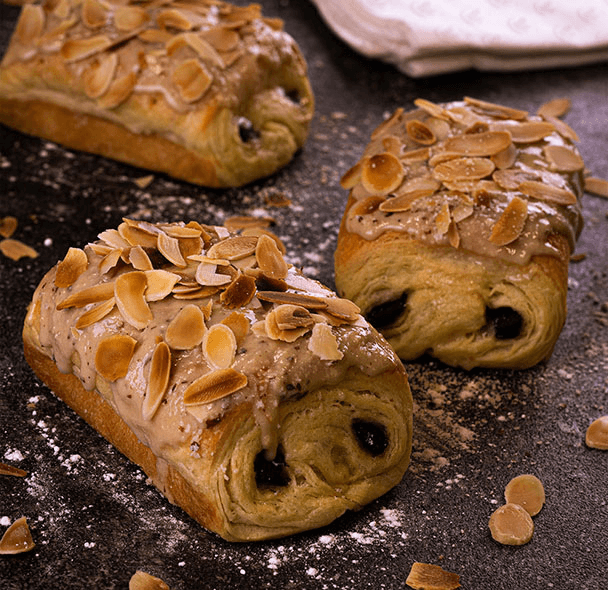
pixel 458 230
pixel 202 90
pixel 252 396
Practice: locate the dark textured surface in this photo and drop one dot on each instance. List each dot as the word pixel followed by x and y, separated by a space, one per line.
pixel 94 518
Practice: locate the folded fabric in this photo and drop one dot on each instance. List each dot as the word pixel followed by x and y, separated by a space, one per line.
pixel 427 37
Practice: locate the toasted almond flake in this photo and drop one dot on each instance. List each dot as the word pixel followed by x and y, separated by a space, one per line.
pixel 30 24
pixel 77 49
pixel 207 275
pixel 596 186
pixel 506 158
pixel 511 223
pixel 10 470
pixel 169 248
pixel 478 144
pixel 110 260
pixel 526 131
pixel 462 212
pixel 432 109
pixel 269 258
pixel 323 343
pixel 425 576
pixel 94 15
pixel 61 8
pixel 286 334
pixel 307 301
pixel 219 346
pixel 420 132
pixel 139 259
pixel 453 234
pixel 71 267
pixel 135 236
pixel 464 169
pixel 393 145
pixel 222 39
pixel 367 206
pixel 144 581
pixel 186 329
pixel 342 308
pixel 558 107
pixel 527 491
pixel 239 324
pixel 289 316
pixel 144 181
pixel 113 356
pixel 443 219
pixel 546 192
pixel 155 36
pixel 419 155
pixel 596 436
pixel 129 290
pixel 158 380
pixel 413 190
pixel 511 525
pixel 17 538
pixel 239 293
pixel 128 18
pixel 578 257
pixel 200 293
pixel 382 173
pixel 563 159
pixel 233 248
pixel 237 222
pixel 214 386
pixel 182 231
pixel 191 79
pixel 119 90
pixel 16 249
pixel 95 314
pixel 511 178
pixel 351 177
pixel 204 49
pixel 495 110
pixel 8 225
pixel 113 238
pixel 174 19
pixel 562 128
pixel 98 77
pixel 95 294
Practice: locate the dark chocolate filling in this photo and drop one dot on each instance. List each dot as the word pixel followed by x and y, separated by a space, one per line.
pixel 505 322
pixel 271 473
pixel 383 315
pixel 371 436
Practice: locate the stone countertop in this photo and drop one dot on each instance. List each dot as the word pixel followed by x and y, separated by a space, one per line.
pixel 96 520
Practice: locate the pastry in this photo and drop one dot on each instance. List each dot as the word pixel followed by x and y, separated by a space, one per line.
pixel 458 230
pixel 252 396
pixel 205 91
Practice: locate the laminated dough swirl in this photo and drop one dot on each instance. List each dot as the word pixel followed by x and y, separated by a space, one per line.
pixel 202 90
pixel 458 231
pixel 252 396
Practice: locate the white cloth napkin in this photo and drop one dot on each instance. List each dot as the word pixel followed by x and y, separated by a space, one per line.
pixel 426 37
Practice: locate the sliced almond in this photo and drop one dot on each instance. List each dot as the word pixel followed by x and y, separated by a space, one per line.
pixel 113 356
pixel 139 259
pixel 187 329
pixel 144 581
pixel 478 144
pixel 351 177
pixel 119 90
pixel 393 144
pixel 129 18
pixel 307 301
pixel 8 225
pixel 558 107
pixel 214 386
pixel 182 231
pixel 382 173
pixel 511 223
pixel 129 291
pixel 511 178
pixel 269 258
pixel 17 538
pixel 287 333
pixel 432 109
pixel 425 576
pixel 596 436
pixel 158 380
pixel 464 169
pixel 191 79
pixel 113 238
pixel 506 158
pixel 239 324
pixel 342 308
pixel 237 222
pixel 239 293
pixel 221 38
pixel 527 491
pixel 323 343
pixel 413 190
pixel 204 49
pixel 419 155
pixel 526 131
pixel 596 186
pixel 289 316
pixel 443 219
pixel 16 249
pixel 71 267
pixel 76 49
pixel 169 248
pixel 234 248
pixel 495 110
pixel 563 159
pixel 110 260
pixel 511 525
pixel 546 192
pixel 135 235
pixel 98 77
pixel 207 275
pixel 219 346
pixel 367 206
pixel 94 14
pixel 30 24
pixel 95 294
pixel 174 19
pixel 562 128
pixel 420 132
pixel 155 36
pixel 95 314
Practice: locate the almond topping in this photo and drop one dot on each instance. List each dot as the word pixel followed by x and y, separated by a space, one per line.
pixel 342 308
pixel 118 91
pixel 478 144
pixel 95 294
pixel 186 329
pixel 71 267
pixel 511 525
pixel 129 289
pixel 307 301
pixel 110 260
pixel 443 219
pixel 414 190
pixel 563 159
pixel 143 581
pixel 382 173
pixel 182 231
pixel 219 346
pixel 10 470
pixel 511 178
pixel 546 192
pixel 113 238
pixel 160 284
pixel 557 107
pixel 239 324
pixel 139 259
pixel 425 576
pixel 214 386
pixel 432 109
pixel 222 39
pixel 234 248
pixel 98 77
pixel 420 132
pixel 203 48
pixel 94 15
pixel 174 19
pixel 323 343
pixel 562 128
pixel 192 80
pixel 464 169
pixel 16 249
pixel 368 206
pixel 8 225
pixel 114 355
pixel 351 177
pixel 207 276
pixel 506 158
pixel 17 538
pixel 30 24
pixel 596 186
pixel 526 491
pixel 527 131
pixel 511 223
pixel 295 322
pixel 136 236
pixel 239 293
pixel 596 436
pixel 128 18
pixel 77 49
pixel 269 258
pixel 160 369
pixel 95 314
pixel 495 110
pixel 169 248
pixel 155 36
